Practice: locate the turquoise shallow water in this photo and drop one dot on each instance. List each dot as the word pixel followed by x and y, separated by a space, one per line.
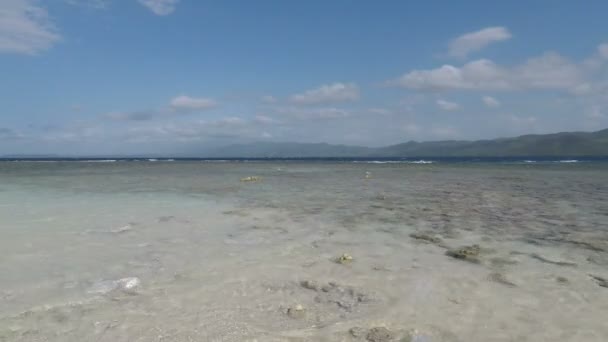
pixel 218 259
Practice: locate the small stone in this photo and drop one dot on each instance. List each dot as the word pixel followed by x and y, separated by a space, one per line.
pixel 562 280
pixel 345 259
pixel 310 284
pixel 357 332
pixel 468 253
pixel 426 238
pixel 379 334
pixel 296 312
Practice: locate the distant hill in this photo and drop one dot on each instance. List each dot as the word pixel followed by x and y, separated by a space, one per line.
pixel 557 144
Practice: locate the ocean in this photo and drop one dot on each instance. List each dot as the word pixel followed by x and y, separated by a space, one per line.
pixel 418 249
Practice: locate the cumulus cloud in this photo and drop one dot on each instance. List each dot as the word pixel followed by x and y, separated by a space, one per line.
pixel 160 7
pixel 332 93
pixel 448 105
pixel 312 113
pixel 187 103
pixel 475 41
pixel 491 102
pixel 25 28
pixel 548 71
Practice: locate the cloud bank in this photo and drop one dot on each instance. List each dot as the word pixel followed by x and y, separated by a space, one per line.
pixel 25 28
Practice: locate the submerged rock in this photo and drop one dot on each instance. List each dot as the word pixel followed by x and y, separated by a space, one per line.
pixel 296 312
pixel 379 334
pixel 127 285
pixel 344 259
pixel 345 298
pixel 501 279
pixel 357 332
pixel 426 238
pixel 164 219
pixel 603 282
pixel 468 253
pixel 548 261
pixel 310 285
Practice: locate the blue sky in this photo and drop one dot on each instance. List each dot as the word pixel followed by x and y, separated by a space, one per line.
pixel 179 76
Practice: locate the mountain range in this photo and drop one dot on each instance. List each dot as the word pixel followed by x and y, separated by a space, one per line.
pixel 556 144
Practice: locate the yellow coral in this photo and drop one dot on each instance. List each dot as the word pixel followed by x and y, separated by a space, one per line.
pixel 251 179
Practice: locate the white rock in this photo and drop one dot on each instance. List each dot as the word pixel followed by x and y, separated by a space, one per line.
pixel 129 284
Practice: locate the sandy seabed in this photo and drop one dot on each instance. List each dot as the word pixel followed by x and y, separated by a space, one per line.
pixel 184 251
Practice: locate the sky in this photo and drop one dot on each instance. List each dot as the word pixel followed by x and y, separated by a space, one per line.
pixel 181 76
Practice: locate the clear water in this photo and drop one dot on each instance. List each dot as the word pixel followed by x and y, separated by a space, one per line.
pixel 222 260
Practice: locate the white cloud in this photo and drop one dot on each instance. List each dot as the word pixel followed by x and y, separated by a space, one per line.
pixel 380 111
pixel 131 116
pixel 268 99
pixel 160 7
pixel 187 103
pixel 9 134
pixel 94 4
pixel 522 121
pixel 603 50
pixel 475 41
pixel 447 105
pixel 199 130
pixel 262 119
pixel 312 113
pixel 548 71
pixel 337 92
pixel 25 28
pixel 178 105
pixel 491 102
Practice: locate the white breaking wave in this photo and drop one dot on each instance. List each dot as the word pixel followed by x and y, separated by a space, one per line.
pixel 394 161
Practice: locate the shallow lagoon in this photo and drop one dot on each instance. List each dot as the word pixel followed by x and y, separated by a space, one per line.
pixel 217 259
